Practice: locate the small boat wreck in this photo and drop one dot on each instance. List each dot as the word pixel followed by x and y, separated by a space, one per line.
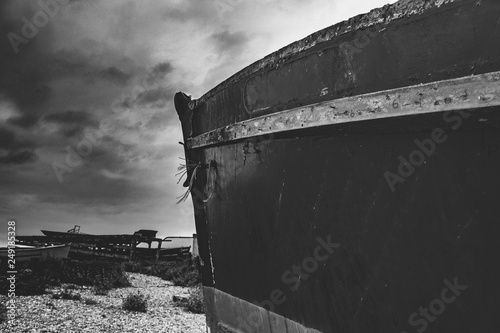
pixel 25 253
pixel 139 245
pixel 349 181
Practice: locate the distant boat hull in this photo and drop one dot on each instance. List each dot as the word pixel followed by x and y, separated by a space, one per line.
pixel 115 247
pixel 80 252
pixel 23 254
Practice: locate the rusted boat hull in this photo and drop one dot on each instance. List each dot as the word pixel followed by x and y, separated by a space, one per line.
pixel 316 216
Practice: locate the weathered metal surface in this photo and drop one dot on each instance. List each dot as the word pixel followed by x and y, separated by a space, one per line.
pixel 479 91
pixel 457 39
pixel 272 199
pixel 396 248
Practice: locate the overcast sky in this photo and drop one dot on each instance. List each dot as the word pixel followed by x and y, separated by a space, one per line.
pixel 108 69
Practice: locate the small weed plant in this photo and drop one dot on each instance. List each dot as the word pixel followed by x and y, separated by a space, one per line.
pixel 35 277
pixel 135 302
pixel 90 301
pixel 67 293
pixel 194 302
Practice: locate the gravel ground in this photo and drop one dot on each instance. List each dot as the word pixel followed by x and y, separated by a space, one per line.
pixel 44 314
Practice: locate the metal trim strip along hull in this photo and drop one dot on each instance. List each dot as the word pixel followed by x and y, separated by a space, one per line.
pixel 478 91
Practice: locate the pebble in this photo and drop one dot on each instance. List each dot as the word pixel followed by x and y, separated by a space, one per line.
pixel 42 314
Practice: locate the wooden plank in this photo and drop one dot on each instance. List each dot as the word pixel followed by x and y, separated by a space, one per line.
pixel 477 91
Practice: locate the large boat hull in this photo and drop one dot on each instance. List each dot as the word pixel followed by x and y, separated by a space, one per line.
pixel 376 219
pixel 395 249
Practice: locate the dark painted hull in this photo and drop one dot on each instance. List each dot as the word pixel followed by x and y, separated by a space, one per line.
pixel 395 248
pixel 266 204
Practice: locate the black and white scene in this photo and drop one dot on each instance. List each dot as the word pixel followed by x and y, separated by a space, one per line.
pixel 232 166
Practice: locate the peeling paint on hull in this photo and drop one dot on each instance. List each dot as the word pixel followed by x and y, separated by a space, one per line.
pixel 274 196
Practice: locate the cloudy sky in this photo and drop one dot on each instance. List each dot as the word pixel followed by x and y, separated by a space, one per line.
pixel 88 132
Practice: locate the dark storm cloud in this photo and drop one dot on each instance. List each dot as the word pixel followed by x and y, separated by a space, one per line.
pixel 162 69
pixel 104 178
pixel 23 78
pixel 72 122
pixel 7 137
pixel 115 75
pixel 9 140
pixel 154 98
pixel 151 91
pixel 227 42
pixel 227 46
pixel 192 10
pixel 31 81
pixel 86 186
pixel 17 152
pixel 19 157
pixel 71 117
pixel 160 120
pixel 26 121
pixel 66 63
pixel 71 131
pixel 26 85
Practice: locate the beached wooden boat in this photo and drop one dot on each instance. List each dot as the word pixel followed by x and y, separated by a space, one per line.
pixel 118 246
pixel 33 253
pixel 349 181
pixel 90 251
